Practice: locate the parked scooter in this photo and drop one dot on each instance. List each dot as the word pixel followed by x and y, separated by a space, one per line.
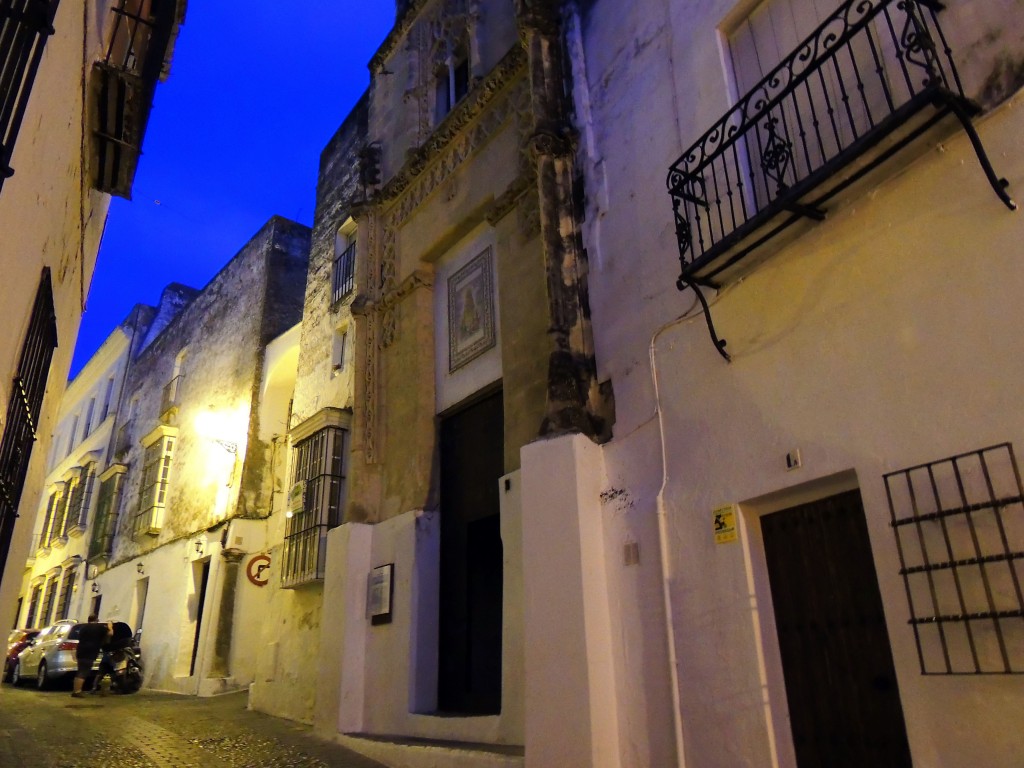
pixel 122 660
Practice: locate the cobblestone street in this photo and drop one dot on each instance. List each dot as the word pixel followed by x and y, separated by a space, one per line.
pixel 50 729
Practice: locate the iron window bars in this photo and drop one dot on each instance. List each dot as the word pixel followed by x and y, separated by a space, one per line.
pixel 959 526
pixel 49 599
pixel 25 26
pixel 123 85
pixel 343 273
pixel 873 77
pixel 24 406
pixel 83 499
pixel 319 465
pixel 66 590
pixel 33 605
pixel 107 505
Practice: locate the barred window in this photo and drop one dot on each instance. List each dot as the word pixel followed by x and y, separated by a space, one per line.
pixel 156 471
pixel 319 480
pixel 51 595
pixel 25 26
pixel 24 406
pixel 107 506
pixel 66 591
pixel 344 268
pixel 59 532
pixel 44 533
pixel 81 499
pixel 33 605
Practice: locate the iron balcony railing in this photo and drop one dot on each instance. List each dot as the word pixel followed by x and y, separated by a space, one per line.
pixel 123 85
pixel 343 274
pixel 169 396
pixel 123 442
pixel 870 79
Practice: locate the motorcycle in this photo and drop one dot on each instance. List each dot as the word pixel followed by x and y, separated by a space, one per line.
pixel 122 660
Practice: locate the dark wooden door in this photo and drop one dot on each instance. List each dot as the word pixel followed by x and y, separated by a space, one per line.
pixel 472 461
pixel 844 704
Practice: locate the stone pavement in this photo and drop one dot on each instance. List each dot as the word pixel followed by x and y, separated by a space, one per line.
pixel 50 729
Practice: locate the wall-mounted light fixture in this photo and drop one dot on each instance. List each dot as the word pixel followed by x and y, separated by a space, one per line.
pixel 139 567
pixel 95 588
pixel 200 545
pixel 227 445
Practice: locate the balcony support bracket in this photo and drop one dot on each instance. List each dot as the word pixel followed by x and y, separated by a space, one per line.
pixel 682 284
pixel 998 184
pixel 810 211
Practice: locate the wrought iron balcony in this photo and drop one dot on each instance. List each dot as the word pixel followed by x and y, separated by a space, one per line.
pixel 123 443
pixel 123 84
pixel 875 76
pixel 169 396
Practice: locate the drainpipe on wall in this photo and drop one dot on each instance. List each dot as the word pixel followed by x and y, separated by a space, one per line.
pixel 663 545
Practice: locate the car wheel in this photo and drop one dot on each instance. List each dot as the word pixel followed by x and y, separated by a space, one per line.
pixel 16 674
pixel 41 681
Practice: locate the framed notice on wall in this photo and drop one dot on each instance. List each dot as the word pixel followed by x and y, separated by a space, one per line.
pixel 379 590
pixel 471 310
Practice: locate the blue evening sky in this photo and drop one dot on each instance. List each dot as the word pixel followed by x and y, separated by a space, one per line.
pixel 255 92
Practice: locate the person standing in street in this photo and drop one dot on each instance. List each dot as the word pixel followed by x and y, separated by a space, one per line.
pixel 91 638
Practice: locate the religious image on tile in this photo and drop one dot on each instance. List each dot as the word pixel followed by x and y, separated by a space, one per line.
pixel 470 311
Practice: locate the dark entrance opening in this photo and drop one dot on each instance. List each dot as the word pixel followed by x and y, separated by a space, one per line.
pixel 844 703
pixel 469 652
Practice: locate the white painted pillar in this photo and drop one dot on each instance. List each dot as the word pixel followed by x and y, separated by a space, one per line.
pixel 341 665
pixel 571 707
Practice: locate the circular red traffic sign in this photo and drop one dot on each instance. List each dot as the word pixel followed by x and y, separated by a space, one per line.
pixel 256 569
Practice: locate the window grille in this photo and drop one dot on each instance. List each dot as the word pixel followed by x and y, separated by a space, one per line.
pixel 25 26
pixel 44 534
pixel 81 498
pixel 33 605
pixel 343 273
pixel 48 601
pixel 66 591
pixel 23 409
pixel 319 467
pixel 156 472
pixel 107 506
pixel 959 527
pixel 62 517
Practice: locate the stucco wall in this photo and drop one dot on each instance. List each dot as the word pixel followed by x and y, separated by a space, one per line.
pixel 874 342
pixel 881 340
pixel 49 219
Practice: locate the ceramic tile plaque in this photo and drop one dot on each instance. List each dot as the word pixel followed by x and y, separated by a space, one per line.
pixel 471 310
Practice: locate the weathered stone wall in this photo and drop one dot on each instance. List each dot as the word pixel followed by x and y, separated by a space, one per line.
pixel 222 333
pixel 405 67
pixel 338 189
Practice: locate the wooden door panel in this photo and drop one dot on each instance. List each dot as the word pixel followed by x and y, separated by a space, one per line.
pixel 841 685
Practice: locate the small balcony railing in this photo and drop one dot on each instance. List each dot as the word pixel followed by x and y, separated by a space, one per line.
pixel 169 397
pixel 343 273
pixel 123 442
pixel 873 77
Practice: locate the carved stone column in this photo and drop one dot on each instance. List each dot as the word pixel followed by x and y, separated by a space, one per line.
pixel 575 401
